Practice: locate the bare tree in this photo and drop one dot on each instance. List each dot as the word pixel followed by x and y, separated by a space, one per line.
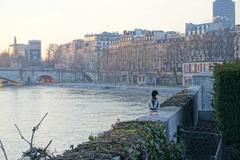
pixel 53 55
pixel 175 55
pixel 237 45
pixel 213 46
pixel 230 44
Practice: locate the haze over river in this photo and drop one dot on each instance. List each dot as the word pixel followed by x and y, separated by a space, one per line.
pixel 73 113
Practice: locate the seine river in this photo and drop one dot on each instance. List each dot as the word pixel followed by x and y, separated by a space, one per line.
pixel 73 113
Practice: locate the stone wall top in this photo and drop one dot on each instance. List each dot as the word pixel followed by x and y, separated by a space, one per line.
pixel 163 115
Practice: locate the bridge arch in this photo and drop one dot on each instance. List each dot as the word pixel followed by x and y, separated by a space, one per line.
pixel 45 79
pixel 32 76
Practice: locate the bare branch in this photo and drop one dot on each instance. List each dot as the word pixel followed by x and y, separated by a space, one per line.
pixel 4 152
pixel 34 152
pixel 41 121
pixel 22 135
pixel 45 149
pixel 35 129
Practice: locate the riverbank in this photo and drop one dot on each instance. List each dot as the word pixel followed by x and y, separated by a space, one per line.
pixel 108 87
pixel 179 110
pixel 148 137
pixel 77 111
pixel 127 140
pixel 115 85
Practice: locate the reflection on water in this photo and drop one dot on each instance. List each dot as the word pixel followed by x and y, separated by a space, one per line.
pixel 74 114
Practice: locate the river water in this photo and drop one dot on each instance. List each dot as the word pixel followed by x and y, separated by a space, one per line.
pixel 73 113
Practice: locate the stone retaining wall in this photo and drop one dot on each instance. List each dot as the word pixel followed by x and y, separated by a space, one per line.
pixel 179 110
pixel 205 109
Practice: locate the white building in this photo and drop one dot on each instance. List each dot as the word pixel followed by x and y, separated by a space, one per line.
pixel 101 41
pixel 140 33
pixel 172 35
pixel 198 29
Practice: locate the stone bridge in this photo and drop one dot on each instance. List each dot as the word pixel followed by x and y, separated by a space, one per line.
pixel 33 76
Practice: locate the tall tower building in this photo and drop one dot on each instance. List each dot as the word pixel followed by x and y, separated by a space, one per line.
pixel 224 11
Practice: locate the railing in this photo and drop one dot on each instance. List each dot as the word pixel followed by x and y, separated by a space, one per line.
pixel 219 153
pixel 201 145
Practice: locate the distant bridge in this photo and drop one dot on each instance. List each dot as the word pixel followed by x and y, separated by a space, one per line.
pixel 33 76
pixel 12 81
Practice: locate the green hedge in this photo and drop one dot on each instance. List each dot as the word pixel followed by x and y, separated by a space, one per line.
pixel 227 100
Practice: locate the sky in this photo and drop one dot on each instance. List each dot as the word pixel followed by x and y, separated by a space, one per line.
pixel 61 21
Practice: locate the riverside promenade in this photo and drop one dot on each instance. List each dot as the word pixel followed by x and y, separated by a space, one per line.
pixel 185 110
pixel 190 115
pixel 154 136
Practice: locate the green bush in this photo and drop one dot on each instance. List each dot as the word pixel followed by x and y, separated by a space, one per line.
pixel 227 100
pixel 131 140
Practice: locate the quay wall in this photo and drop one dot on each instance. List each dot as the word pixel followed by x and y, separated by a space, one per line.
pixel 184 109
pixel 187 107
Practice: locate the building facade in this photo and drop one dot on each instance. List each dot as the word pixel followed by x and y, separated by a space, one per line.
pixel 224 11
pixel 67 54
pixel 193 68
pixel 223 18
pixel 172 35
pixel 96 46
pixel 25 55
pixel 17 53
pixel 33 53
pixel 101 41
pixel 198 29
pixel 15 50
pixel 140 33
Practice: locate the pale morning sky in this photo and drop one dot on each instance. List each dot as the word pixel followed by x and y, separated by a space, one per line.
pixel 60 21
